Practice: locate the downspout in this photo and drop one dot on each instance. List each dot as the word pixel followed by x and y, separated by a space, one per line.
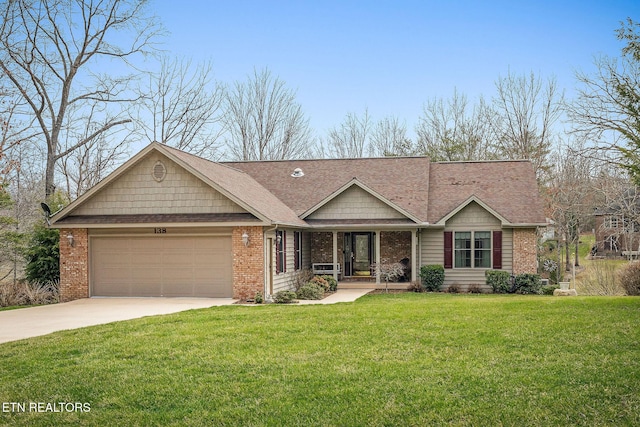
pixel 419 249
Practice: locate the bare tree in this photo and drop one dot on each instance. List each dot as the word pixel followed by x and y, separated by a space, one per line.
pixel 451 130
pixel 351 138
pixel 185 107
pixel 49 49
pixel 570 192
pixel 389 138
pixel 527 111
pixel 263 120
pixel 11 130
pixel 607 108
pixel 620 206
pixel 89 164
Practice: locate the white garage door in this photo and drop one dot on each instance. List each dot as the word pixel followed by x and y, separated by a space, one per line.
pixel 161 266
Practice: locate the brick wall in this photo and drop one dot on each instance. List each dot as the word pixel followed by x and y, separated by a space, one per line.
pixel 524 250
pixel 322 247
pixel 248 262
pixel 394 245
pixel 74 264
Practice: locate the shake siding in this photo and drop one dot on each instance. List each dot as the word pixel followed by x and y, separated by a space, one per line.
pixel 137 192
pixel 355 203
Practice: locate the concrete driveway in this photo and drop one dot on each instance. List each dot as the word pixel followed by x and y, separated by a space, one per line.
pixel 45 319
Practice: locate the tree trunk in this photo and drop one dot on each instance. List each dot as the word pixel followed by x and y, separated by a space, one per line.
pixel 567 257
pixel 49 183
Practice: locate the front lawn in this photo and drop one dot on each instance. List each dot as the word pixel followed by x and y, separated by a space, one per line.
pixel 396 359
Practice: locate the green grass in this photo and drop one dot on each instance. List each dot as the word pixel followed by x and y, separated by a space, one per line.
pixel 385 360
pixel 13 307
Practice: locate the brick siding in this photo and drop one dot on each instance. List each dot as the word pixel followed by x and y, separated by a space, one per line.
pixel 74 264
pixel 248 262
pixel 394 245
pixel 525 250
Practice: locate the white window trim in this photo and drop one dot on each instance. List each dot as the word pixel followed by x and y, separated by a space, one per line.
pixel 473 249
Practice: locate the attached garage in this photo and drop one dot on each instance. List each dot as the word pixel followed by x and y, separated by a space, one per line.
pixel 161 266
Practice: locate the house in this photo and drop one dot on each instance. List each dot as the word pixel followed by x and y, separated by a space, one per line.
pixel 617 225
pixel 168 223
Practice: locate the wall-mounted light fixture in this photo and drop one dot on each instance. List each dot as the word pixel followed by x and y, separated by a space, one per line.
pixel 278 238
pixel 245 238
pixel 70 239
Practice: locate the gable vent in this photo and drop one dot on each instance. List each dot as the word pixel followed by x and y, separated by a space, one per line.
pixel 297 173
pixel 159 171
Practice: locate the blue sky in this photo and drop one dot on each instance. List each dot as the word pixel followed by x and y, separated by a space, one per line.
pixel 392 56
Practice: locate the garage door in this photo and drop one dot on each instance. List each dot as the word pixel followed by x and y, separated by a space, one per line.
pixel 161 266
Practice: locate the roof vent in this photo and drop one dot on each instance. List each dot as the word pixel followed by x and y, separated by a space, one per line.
pixel 159 171
pixel 297 173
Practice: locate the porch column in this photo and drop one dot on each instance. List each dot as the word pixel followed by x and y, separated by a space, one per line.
pixel 377 246
pixel 414 255
pixel 335 255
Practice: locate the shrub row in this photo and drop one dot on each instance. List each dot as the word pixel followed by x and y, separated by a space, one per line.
pixel 502 283
pixel 29 293
pixel 314 289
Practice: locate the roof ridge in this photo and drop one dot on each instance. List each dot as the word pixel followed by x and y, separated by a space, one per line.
pixel 448 162
pixel 219 163
pixel 325 159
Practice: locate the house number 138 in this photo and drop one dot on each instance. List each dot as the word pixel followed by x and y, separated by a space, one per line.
pixel 159 230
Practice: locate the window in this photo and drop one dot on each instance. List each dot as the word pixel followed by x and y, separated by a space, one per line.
pixel 482 245
pixel 281 251
pixel 611 222
pixel 297 244
pixel 476 256
pixel 611 243
pixel 463 249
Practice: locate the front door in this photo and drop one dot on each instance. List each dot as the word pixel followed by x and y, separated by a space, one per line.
pixel 358 253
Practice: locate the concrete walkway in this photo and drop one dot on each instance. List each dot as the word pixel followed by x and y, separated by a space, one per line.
pixel 45 319
pixel 341 295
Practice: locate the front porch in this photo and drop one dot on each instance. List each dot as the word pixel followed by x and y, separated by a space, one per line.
pixel 352 257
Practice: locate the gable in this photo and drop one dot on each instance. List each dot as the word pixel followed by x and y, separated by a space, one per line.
pixel 401 181
pixel 355 203
pixel 136 191
pixel 508 188
pixel 473 215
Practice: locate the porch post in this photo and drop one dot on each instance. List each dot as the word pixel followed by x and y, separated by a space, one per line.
pixel 414 255
pixel 335 255
pixel 377 245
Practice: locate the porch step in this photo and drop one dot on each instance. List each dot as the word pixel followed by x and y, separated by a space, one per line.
pixel 361 279
pixel 370 285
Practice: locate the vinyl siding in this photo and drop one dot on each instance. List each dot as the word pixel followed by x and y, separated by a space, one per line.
pixel 471 218
pixel 282 281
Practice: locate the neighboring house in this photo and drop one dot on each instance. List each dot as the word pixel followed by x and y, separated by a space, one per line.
pixel 617 226
pixel 168 223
